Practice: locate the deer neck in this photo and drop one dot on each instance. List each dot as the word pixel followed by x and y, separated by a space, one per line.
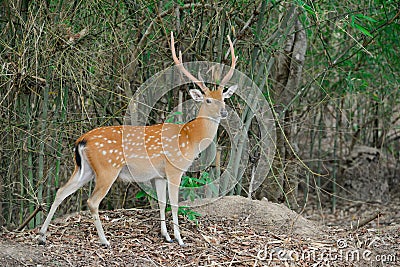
pixel 204 129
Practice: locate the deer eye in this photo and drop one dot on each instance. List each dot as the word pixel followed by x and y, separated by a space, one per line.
pixel 208 101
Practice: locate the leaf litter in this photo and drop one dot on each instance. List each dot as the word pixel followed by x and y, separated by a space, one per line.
pixel 232 231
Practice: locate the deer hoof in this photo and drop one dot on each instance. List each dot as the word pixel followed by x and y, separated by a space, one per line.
pixel 42 240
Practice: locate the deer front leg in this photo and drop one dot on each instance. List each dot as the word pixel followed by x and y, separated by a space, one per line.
pixel 174 180
pixel 161 188
pixel 173 197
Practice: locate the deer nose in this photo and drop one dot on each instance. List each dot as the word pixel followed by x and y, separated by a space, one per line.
pixel 224 113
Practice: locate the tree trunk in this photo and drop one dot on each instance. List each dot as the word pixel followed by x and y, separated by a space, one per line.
pixel 281 184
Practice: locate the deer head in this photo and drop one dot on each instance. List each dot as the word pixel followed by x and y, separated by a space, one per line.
pixel 213 105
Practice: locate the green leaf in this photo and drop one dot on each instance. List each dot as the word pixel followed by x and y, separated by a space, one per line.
pixel 352 19
pixel 198 182
pixel 91 69
pixel 362 29
pixel 141 194
pixel 205 176
pixel 188 213
pixel 168 5
pixel 181 2
pixel 171 117
pixel 361 16
pixel 306 7
pixel 375 97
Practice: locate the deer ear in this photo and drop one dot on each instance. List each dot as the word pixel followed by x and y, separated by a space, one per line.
pixel 230 91
pixel 196 95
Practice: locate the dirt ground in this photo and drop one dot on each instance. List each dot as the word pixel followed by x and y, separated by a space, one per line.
pixel 232 231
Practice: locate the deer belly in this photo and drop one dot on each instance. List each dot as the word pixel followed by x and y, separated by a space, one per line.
pixel 140 173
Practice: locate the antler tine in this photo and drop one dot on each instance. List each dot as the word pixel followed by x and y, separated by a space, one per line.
pixel 228 76
pixel 180 66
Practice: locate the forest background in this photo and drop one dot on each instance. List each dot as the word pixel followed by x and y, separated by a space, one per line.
pixel 328 69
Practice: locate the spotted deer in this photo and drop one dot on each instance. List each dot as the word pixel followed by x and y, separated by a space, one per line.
pixel 144 153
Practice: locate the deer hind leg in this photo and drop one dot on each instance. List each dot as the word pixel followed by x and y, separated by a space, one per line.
pixel 104 182
pixel 161 188
pixel 78 179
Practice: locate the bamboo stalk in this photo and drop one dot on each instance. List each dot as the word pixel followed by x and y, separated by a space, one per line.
pixel 319 160
pixel 42 150
pixel 335 152
pixel 30 166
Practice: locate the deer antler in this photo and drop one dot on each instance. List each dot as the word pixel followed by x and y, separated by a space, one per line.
pixel 180 66
pixel 228 76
